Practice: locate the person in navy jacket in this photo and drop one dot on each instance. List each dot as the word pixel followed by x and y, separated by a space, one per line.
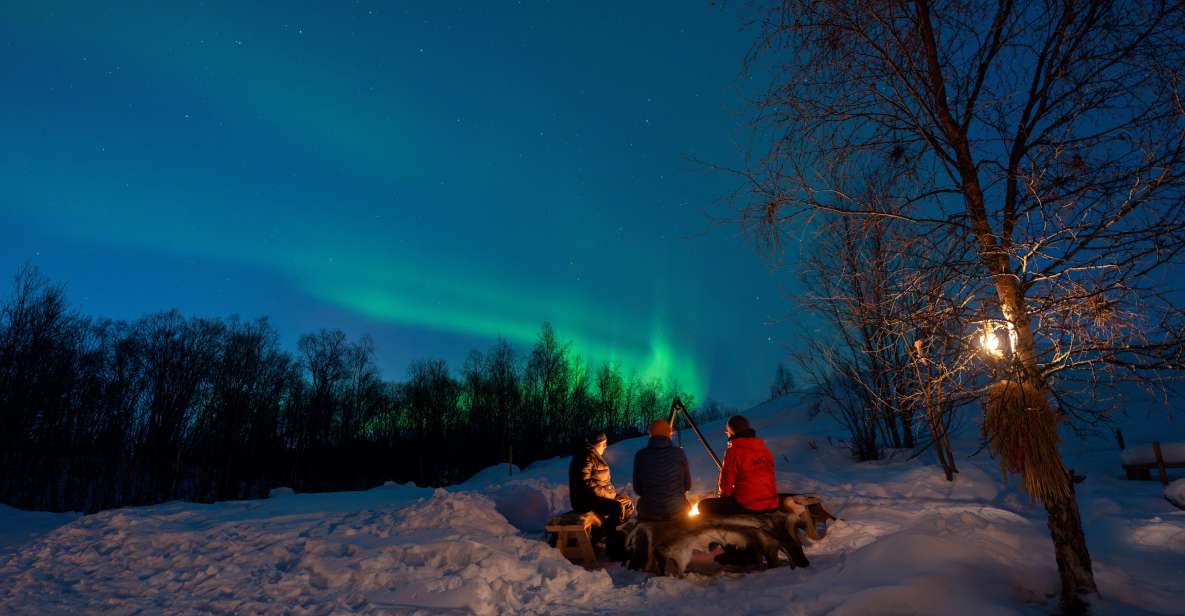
pixel 661 476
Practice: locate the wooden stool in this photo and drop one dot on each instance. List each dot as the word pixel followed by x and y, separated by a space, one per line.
pixel 572 536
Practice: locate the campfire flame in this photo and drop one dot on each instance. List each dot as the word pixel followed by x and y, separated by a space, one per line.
pixel 694 510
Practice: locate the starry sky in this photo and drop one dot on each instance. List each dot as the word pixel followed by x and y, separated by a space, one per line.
pixel 433 174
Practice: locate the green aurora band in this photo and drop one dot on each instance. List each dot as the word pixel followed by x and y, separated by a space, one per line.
pixel 363 277
pixel 336 255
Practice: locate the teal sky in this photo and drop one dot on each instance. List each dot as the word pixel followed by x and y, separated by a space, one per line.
pixel 433 174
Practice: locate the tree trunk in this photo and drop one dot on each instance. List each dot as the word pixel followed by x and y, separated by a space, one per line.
pixel 1073 559
pixel 1065 525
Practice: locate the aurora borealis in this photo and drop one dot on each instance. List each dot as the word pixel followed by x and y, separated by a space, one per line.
pixel 433 174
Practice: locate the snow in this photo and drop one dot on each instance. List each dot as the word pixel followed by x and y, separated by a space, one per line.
pixel 19 527
pixel 907 542
pixel 1143 454
pixel 492 474
pixel 1175 493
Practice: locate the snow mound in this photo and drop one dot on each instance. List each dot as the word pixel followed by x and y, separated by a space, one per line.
pixel 1175 492
pixel 280 492
pixel 960 570
pixel 527 504
pixel 449 551
pixel 491 475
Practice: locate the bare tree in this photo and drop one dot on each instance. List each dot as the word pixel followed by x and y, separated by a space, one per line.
pixel 361 379
pixel 855 280
pixel 1052 132
pixel 783 383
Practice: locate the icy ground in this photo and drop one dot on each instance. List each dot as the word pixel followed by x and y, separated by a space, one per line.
pixel 908 543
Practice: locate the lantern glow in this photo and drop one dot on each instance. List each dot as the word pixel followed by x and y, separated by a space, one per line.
pixel 990 342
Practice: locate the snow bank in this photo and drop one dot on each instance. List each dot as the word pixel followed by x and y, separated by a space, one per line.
pixel 972 565
pixel 528 503
pixel 1175 493
pixel 490 475
pixel 448 551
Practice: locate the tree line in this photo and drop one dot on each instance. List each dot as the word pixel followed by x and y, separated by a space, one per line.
pixel 98 413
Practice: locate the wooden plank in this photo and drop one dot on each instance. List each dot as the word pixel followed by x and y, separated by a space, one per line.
pixel 1164 475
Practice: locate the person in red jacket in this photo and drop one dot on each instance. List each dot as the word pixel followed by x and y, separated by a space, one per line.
pixel 747 482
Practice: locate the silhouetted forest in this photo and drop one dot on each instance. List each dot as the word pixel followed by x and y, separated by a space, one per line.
pixel 96 413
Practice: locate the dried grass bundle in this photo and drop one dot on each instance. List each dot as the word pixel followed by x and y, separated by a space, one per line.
pixel 1022 431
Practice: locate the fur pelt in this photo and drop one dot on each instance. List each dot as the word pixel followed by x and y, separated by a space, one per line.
pixel 763 536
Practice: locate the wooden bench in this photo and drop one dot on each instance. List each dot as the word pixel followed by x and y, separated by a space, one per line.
pixel 572 531
pixel 1143 470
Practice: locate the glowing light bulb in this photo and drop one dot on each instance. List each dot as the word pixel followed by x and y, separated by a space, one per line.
pixel 990 342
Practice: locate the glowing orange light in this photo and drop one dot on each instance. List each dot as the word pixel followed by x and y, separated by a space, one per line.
pixel 694 510
pixel 990 342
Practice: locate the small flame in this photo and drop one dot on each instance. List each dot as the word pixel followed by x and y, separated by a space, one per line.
pixel 694 510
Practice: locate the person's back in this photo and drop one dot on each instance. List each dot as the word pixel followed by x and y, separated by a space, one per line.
pixel 747 482
pixel 661 476
pixel 749 474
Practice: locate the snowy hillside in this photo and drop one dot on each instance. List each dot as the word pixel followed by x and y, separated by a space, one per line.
pixel 908 542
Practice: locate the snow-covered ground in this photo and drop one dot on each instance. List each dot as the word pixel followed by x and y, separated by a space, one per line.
pixel 1175 493
pixel 908 542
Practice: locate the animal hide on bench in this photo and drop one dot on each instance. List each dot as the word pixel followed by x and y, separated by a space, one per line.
pixel 667 546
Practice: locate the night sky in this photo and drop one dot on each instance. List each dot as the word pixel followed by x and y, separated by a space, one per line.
pixel 434 175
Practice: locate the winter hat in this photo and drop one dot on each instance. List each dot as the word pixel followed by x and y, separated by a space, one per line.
pixel 660 427
pixel 595 437
pixel 739 424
